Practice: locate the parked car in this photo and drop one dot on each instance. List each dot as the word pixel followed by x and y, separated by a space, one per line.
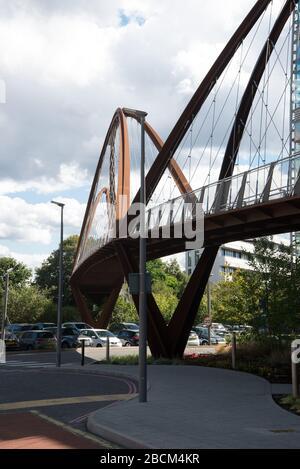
pixel 128 326
pixel 129 338
pixel 11 341
pixel 32 340
pixel 98 338
pixel 40 326
pixel 219 329
pixel 17 329
pixel 202 333
pixel 78 326
pixel 69 336
pixel 193 340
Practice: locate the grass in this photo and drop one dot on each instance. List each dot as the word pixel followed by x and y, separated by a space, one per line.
pixel 134 360
pixel 260 356
pixel 291 403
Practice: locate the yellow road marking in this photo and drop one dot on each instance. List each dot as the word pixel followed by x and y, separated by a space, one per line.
pixel 75 431
pixel 66 401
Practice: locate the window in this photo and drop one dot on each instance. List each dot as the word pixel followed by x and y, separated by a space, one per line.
pixel 228 270
pixel 232 253
pixel 46 335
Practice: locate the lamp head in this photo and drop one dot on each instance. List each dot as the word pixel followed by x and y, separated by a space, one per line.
pixel 59 204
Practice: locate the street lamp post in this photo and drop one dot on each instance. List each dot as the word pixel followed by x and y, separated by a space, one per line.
pixel 142 298
pixel 209 312
pixel 5 303
pixel 60 284
pixel 141 116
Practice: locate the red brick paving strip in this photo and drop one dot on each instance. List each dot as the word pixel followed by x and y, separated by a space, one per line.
pixel 29 431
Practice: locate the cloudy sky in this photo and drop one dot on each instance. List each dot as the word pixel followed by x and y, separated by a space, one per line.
pixel 66 66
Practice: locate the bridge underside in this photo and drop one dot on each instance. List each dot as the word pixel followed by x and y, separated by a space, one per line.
pixel 101 275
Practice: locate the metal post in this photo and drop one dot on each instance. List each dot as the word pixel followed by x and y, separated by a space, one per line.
pixel 60 284
pixel 82 351
pixel 107 349
pixel 142 296
pixel 233 348
pixel 5 305
pixel 209 311
pixel 295 382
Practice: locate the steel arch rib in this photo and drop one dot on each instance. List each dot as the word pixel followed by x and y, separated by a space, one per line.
pixel 175 170
pixel 118 117
pixel 181 323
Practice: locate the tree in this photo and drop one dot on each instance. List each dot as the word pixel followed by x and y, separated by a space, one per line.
pixel 277 270
pixel 124 311
pixel 167 283
pixel 20 274
pixel 236 300
pixel 27 304
pixel 47 274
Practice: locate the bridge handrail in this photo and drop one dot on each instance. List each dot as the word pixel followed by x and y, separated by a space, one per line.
pixel 230 193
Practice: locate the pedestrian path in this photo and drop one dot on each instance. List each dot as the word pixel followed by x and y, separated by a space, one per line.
pixel 193 407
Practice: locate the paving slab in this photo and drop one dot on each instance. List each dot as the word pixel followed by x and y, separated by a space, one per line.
pixel 30 431
pixel 195 408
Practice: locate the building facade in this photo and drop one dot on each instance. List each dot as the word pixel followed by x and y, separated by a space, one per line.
pixel 231 257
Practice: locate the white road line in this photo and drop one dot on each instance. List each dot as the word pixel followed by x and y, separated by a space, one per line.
pixel 14 363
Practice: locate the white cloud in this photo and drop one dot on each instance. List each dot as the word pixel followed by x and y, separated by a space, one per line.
pixel 70 176
pixel 31 260
pixel 37 223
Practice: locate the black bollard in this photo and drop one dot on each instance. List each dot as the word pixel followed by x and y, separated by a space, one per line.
pixel 82 352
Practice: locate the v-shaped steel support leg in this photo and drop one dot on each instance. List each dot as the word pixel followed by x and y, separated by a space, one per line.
pixel 186 311
pixel 157 329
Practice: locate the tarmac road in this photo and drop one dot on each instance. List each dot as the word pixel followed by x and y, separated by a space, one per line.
pixel 63 397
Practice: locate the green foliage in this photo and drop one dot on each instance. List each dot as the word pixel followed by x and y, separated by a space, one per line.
pixel 265 297
pixel 167 303
pixel 69 313
pixel 292 403
pixel 124 311
pixel 236 300
pixel 168 281
pixel 20 275
pixel 47 274
pixel 134 360
pixel 27 304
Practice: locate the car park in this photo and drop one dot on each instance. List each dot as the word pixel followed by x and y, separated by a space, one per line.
pixel 129 338
pixel 33 340
pixel 98 338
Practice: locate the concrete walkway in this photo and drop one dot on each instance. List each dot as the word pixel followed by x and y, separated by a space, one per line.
pixel 195 408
